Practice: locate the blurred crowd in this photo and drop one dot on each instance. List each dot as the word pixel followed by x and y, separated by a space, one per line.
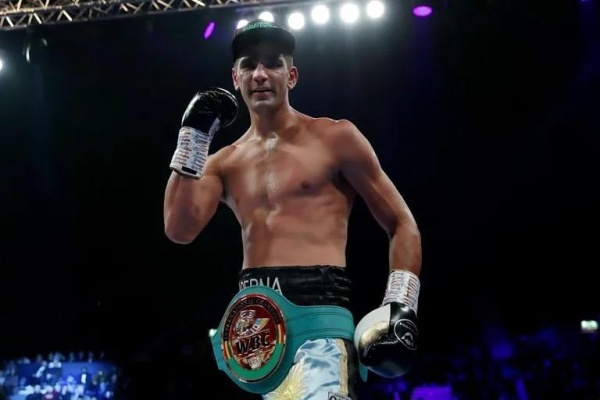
pixel 552 363
pixel 82 376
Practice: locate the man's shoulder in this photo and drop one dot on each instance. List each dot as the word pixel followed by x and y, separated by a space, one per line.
pixel 333 131
pixel 330 123
pixel 217 159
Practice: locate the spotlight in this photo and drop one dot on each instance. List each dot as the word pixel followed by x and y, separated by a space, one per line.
pixel 3 57
pixel 241 23
pixel 589 326
pixel 349 13
pixel 296 20
pixel 320 14
pixel 375 9
pixel 422 9
pixel 210 28
pixel 36 50
pixel 266 16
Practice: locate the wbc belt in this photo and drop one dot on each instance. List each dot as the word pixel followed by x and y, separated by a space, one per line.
pixel 261 331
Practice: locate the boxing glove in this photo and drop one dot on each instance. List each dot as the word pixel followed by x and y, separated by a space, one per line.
pixel 206 113
pixel 387 338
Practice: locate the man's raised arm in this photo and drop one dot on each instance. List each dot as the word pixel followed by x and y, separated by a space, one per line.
pixel 195 186
pixel 191 203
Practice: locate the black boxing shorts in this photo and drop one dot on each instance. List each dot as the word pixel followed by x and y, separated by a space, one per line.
pixel 289 331
pixel 303 286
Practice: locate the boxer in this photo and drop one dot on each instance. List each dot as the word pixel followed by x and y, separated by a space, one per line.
pixel 291 180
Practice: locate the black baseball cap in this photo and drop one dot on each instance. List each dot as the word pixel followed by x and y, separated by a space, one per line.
pixel 262 31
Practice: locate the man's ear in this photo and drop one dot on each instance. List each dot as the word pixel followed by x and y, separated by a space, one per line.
pixel 234 77
pixel 293 77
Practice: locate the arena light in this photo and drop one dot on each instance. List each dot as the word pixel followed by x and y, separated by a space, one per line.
pixel 349 13
pixel 422 8
pixel 375 9
pixel 589 326
pixel 210 28
pixel 36 50
pixel 267 16
pixel 296 20
pixel 320 14
pixel 422 11
pixel 241 23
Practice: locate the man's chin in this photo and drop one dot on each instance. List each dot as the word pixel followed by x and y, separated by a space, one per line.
pixel 262 105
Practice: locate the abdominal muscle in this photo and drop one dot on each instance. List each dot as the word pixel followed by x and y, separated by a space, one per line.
pixel 304 237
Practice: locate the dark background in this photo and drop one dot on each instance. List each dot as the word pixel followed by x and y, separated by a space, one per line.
pixel 484 115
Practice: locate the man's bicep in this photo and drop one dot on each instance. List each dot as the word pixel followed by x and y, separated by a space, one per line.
pixel 380 195
pixel 190 203
pixel 211 182
pixel 361 168
pixel 357 159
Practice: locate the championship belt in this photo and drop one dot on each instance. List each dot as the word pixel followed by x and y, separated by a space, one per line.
pixel 261 332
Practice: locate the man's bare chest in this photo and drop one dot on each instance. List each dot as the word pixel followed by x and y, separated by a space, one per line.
pixel 274 174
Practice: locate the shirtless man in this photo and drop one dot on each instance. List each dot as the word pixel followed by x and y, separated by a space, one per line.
pixel 291 180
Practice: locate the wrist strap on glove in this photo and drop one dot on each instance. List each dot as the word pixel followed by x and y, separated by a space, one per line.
pixel 191 153
pixel 402 287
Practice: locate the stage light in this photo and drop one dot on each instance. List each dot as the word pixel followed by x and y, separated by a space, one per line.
pixel 36 50
pixel 209 30
pixel 320 14
pixel 1 64
pixel 349 13
pixel 266 16
pixel 212 332
pixel 296 20
pixel 422 8
pixel 422 11
pixel 241 23
pixel 589 326
pixel 375 9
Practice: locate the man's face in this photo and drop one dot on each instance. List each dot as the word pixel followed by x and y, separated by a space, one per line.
pixel 263 77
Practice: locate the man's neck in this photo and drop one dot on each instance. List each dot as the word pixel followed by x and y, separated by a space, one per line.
pixel 272 125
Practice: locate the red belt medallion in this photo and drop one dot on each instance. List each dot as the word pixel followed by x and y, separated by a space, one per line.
pixel 253 337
